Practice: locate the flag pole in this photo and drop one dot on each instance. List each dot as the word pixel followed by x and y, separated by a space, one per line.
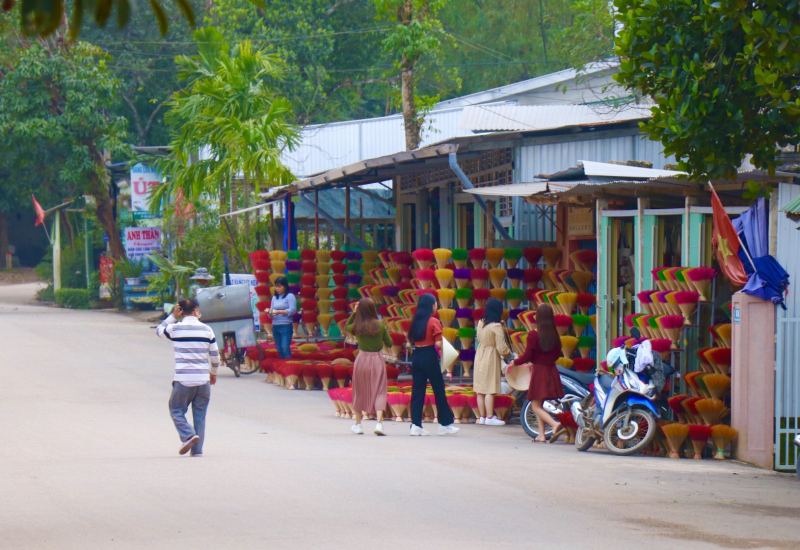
pixel 746 253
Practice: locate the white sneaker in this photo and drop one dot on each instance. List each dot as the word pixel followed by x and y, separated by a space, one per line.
pixel 447 430
pixel 416 430
pixel 379 429
pixel 494 421
pixel 481 420
pixel 356 429
pixel 188 444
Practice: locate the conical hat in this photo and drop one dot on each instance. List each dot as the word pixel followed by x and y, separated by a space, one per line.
pixel 449 355
pixel 519 377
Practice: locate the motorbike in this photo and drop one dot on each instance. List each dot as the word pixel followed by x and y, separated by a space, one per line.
pixel 576 388
pixel 621 413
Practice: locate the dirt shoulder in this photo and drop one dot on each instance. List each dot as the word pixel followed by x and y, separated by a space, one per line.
pixel 18 276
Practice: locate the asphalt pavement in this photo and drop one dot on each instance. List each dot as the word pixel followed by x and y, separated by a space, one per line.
pixel 89 460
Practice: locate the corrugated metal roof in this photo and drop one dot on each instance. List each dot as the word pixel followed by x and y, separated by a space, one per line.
pixel 486 118
pixel 588 169
pixel 793 207
pixel 511 190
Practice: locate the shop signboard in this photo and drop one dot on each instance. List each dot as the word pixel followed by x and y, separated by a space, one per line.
pixel 143 180
pixel 106 277
pixel 248 279
pixel 141 241
pixel 580 222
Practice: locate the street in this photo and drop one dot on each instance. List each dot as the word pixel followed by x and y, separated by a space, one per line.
pixel 90 460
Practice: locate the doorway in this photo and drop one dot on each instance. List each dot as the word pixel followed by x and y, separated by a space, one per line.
pixel 466 225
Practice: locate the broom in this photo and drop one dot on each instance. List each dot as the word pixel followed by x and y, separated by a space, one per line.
pixel 583 364
pixel 532 276
pixel 460 257
pixel 442 256
pixel 724 333
pixel 662 346
pixel 478 277
pixel 446 296
pixel 515 277
pixel 585 345
pixel 722 436
pixel 424 257
pixel 565 362
pixel 444 276
pixel 463 296
pixel 672 325
pixel 563 324
pixel 718 385
pixel 585 301
pixel 675 434
pixel 712 411
pixel 494 256
pixel 567 301
pixel 477 256
pixel 425 277
pixel 447 316
pixel 587 258
pixel 699 435
pixel 552 257
pixel 464 317
pixel 512 257
pixel 532 255
pixel 701 278
pixel 579 323
pixel 514 297
pixel 467 337
pixel 568 344
pixel 467 357
pixel 461 277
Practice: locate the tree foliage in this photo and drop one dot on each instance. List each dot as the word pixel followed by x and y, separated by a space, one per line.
pixel 723 75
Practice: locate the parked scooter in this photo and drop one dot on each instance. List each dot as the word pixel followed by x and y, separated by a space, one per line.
pixel 622 412
pixel 576 388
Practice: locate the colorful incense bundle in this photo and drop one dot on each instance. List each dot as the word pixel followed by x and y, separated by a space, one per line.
pixel 497 276
pixel 399 403
pixel 532 276
pixel 444 277
pixel 467 337
pixel 477 314
pixel 502 404
pixel 460 257
pixel 583 364
pixel 446 296
pixel 481 295
pixel 392 373
pixel 402 259
pixel 353 281
pixel 278 266
pixel 265 278
pixel 515 277
pixel 675 434
pixel 582 280
pixel 394 274
pixel 398 341
pixel 568 344
pixel 724 334
pixel 552 257
pixel 719 359
pixel 425 277
pixel 279 255
pixel 477 257
pixel 701 278
pixel 478 277
pixel 263 293
pixel 463 296
pixel 593 322
pixel 513 317
pixel 687 302
pixel 585 345
pixel 258 255
pixel 338 268
pixel 261 265
pixel 586 258
pixel 718 385
pixel 712 411
pixel 547 279
pixel 674 403
pixel 699 435
pixel 498 293
pixel 645 299
pixel 447 316
pixel 461 277
pixel 442 256
pixel 722 436
pixel 514 297
pixel 672 325
pixel 467 357
pixel 310 322
pixel 353 268
pixel 424 257
pixel 324 306
pixel 565 362
pixel 585 301
pixel 464 317
pixel 662 346
pixel 450 334
pixel 567 301
pixel 563 323
pixel 494 256
pixel 512 257
pixel 579 323
pixel 325 320
pixel 532 255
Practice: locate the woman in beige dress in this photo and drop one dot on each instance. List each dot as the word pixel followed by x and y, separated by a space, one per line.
pixel 491 347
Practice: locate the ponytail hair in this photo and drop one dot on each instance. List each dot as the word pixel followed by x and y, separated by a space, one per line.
pixel 419 323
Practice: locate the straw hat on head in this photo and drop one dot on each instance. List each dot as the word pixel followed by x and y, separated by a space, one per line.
pixel 202 274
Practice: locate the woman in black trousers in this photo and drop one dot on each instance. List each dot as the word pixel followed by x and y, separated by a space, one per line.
pixel 425 335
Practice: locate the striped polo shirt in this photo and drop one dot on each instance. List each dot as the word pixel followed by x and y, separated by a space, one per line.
pixel 195 346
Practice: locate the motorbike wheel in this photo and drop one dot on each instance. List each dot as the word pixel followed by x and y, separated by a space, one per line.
pixel 641 431
pixel 530 422
pixel 582 441
pixel 249 367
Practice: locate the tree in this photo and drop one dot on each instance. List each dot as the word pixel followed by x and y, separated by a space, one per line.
pixel 54 122
pixel 230 116
pixel 723 75
pixel 416 32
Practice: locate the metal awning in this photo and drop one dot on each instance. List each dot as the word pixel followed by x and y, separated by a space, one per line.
pixel 511 190
pixel 793 207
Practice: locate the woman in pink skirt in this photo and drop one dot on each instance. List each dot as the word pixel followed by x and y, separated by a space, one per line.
pixel 369 370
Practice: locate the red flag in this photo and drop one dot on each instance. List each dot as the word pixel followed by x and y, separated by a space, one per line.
pixel 39 212
pixel 726 243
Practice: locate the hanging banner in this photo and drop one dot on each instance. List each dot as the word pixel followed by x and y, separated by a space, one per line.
pixel 247 279
pixel 143 179
pixel 141 241
pixel 106 277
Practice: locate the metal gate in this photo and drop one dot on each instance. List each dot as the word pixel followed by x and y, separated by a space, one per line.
pixel 787 391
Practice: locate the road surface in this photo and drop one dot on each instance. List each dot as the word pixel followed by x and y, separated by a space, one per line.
pixel 89 460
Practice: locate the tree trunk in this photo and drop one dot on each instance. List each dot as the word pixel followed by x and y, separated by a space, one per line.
pixel 3 238
pixel 97 187
pixel 410 120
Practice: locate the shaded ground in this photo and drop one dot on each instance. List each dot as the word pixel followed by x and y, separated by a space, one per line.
pixel 17 276
pixel 90 460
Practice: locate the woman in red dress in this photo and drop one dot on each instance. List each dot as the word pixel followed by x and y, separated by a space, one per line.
pixel 542 350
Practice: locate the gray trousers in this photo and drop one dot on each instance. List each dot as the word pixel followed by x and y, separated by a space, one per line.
pixel 198 397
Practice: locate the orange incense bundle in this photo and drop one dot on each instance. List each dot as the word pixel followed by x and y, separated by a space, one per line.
pixel 547 279
pixel 494 256
pixel 699 435
pixel 718 385
pixel 585 301
pixel 477 257
pixel 424 257
pixel 711 411
pixel 478 277
pixel 497 276
pixel 425 277
pixel 675 434
pixel 722 436
pixel 552 257
pixel 563 323
pixel 582 280
pixel 724 334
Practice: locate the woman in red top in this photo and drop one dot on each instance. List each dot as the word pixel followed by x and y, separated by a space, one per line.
pixel 542 350
pixel 425 335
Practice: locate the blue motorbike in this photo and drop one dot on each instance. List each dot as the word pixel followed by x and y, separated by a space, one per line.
pixel 621 413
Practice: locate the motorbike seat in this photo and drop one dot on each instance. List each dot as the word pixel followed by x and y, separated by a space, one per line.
pixel 605 381
pixel 584 378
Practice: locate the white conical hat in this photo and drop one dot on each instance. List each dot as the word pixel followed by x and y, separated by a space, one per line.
pixel 519 377
pixel 449 354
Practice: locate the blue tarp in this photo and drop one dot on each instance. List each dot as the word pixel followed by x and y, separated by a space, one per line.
pixel 289 228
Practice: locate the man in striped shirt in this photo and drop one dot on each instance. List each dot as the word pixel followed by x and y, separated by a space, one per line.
pixel 195 346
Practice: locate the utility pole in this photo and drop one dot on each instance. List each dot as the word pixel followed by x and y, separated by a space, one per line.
pixel 57 252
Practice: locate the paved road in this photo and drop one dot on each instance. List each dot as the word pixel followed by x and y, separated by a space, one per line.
pixel 89 460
